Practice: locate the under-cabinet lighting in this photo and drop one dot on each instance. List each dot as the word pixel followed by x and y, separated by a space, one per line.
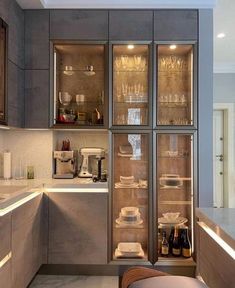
pixel 130 46
pixel 221 35
pixel 227 248
pixel 173 47
pixel 5 259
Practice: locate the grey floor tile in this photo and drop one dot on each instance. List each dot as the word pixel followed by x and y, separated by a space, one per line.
pixel 60 281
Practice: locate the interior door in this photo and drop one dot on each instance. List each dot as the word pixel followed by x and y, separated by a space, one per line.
pixel 218 158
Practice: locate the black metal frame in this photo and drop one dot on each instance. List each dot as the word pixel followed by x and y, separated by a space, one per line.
pixel 150 80
pixel 4 119
pixel 52 123
pixel 111 188
pixel 155 85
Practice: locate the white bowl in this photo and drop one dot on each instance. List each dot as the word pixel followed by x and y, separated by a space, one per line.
pixel 127 180
pixel 129 211
pixel 171 216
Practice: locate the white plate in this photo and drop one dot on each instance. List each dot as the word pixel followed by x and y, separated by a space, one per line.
pixel 177 221
pixel 128 224
pixel 120 254
pixel 121 185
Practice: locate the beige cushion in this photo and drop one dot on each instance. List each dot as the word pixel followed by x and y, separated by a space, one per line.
pixel 168 281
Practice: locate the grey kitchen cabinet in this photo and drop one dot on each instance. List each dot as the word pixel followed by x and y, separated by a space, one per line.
pixel 37 39
pixel 131 25
pixel 79 24
pixel 5 275
pixel 37 99
pixel 5 249
pixel 26 241
pixel 15 98
pixel 173 25
pixel 77 228
pixel 16 34
pixel 5 235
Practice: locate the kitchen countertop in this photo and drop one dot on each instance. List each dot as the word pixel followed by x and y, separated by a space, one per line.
pixel 14 192
pixel 221 221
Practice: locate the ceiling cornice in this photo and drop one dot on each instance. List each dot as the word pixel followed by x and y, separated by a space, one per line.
pixel 120 4
pixel 224 68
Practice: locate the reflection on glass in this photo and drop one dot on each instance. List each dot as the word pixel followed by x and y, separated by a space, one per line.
pixel 175 85
pixel 174 183
pixel 79 84
pixel 130 84
pixel 130 196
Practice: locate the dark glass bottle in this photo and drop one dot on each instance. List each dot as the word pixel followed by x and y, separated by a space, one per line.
pixel 171 238
pixel 186 245
pixel 165 245
pixel 176 251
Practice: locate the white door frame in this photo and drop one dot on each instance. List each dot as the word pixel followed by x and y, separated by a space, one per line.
pixel 228 109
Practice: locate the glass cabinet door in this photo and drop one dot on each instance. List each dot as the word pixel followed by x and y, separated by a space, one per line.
pixel 175 85
pixel 3 37
pixel 130 84
pixel 79 84
pixel 175 189
pixel 130 196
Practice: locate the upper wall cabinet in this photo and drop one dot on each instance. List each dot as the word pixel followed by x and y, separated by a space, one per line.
pixel 172 25
pixel 130 25
pixel 3 61
pixel 36 39
pixel 79 24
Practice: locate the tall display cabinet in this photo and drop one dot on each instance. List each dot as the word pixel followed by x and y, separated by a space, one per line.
pixel 153 145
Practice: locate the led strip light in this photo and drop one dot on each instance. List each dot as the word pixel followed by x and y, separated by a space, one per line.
pixel 5 259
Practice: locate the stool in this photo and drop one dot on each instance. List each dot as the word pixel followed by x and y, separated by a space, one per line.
pixel 141 277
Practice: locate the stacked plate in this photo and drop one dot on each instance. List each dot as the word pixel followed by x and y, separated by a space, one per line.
pixel 129 250
pixel 127 182
pixel 129 217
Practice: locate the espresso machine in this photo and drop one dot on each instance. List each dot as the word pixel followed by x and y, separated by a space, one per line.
pixel 88 155
pixel 65 164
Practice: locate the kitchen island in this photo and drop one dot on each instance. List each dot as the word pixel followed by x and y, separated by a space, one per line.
pixel 216 246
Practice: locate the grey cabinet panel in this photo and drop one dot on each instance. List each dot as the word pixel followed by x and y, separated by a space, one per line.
pixel 175 25
pixel 4 10
pixel 16 34
pixel 79 24
pixel 130 25
pixel 26 236
pixel 15 102
pixel 5 235
pixel 36 39
pixel 36 98
pixel 77 228
pixel 5 275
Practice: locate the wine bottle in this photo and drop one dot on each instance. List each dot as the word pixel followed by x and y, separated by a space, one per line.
pixel 165 245
pixel 176 251
pixel 186 245
pixel 171 238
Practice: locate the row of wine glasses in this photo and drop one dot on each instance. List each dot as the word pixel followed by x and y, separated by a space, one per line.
pixel 130 63
pixel 172 63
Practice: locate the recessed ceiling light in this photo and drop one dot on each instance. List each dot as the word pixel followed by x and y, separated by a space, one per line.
pixel 221 35
pixel 130 46
pixel 172 47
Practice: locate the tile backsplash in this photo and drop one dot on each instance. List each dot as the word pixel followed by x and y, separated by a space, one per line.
pixel 35 147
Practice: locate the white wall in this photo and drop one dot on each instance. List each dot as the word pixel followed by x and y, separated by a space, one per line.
pixel 224 92
pixel 35 147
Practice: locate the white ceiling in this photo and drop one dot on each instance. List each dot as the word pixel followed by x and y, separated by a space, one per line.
pixel 224 49
pixel 224 19
pixel 29 4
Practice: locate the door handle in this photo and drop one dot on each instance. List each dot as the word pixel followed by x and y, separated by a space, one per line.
pixel 221 157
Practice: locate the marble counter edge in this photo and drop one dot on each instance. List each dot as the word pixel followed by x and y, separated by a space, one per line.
pixel 216 227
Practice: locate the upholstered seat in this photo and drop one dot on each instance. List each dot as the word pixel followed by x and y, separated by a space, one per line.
pixel 142 277
pixel 168 281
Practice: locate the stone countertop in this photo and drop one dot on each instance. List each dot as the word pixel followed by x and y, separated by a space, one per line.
pixel 15 192
pixel 221 221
